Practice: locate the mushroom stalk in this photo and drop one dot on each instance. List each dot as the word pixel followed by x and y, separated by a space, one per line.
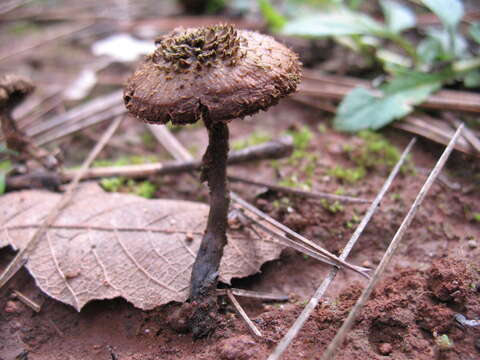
pixel 205 271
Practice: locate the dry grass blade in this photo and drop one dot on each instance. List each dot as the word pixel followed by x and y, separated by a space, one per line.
pixel 347 324
pixel 27 301
pixel 300 193
pixel 468 134
pixel 48 39
pixel 171 143
pixel 293 331
pixel 78 113
pixel 243 314
pixel 69 128
pixel 22 256
pixel 254 294
pixel 336 87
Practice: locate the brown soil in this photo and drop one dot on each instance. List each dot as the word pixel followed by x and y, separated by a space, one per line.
pixel 434 276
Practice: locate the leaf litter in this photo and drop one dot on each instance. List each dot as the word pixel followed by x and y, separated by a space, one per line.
pixel 106 245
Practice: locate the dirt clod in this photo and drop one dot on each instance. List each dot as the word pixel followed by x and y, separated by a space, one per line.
pixel 447 280
pixel 385 349
pixel 237 348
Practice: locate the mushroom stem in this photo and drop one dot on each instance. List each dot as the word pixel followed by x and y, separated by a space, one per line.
pixel 205 271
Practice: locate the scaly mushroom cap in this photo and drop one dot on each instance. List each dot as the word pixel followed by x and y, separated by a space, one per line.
pixel 222 72
pixel 13 90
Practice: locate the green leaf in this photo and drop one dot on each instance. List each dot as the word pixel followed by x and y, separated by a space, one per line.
pixel 472 79
pixel 397 16
pixel 474 31
pixel 437 46
pixel 336 23
pixel 429 50
pixel 2 183
pixel 450 12
pixel 274 19
pixel 363 109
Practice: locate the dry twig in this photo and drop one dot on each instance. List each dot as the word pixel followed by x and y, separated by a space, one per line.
pixel 254 294
pixel 27 301
pixel 300 193
pixel 275 149
pixel 347 324
pixel 307 311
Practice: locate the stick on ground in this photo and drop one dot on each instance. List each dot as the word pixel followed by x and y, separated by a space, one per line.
pixel 347 324
pixel 307 311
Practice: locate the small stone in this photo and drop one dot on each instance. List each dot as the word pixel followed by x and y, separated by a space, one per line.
pixel 385 348
pixel 367 264
pixel 472 244
pixel 237 348
pixel 477 343
pixel 12 307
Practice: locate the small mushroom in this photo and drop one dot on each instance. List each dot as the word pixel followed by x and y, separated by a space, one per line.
pixel 13 90
pixel 214 74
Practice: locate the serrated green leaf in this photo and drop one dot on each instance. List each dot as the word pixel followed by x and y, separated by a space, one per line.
pixel 450 12
pixel 474 31
pixel 363 109
pixel 274 19
pixel 340 22
pixel 397 16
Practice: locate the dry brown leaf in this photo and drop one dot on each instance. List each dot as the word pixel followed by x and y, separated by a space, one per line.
pixel 105 245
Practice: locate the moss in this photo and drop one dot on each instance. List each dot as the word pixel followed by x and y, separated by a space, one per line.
pixel 476 217
pixel 255 138
pixel 396 197
pixel 444 342
pixel 148 140
pixel 375 152
pixel 125 160
pixel 22 28
pixel 144 189
pixel 5 165
pixel 354 220
pixel 301 138
pixel 282 203
pixel 348 175
pixel 295 183
pixel 332 207
pixel 112 184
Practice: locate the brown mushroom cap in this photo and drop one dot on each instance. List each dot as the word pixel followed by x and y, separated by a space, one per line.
pixel 217 70
pixel 13 90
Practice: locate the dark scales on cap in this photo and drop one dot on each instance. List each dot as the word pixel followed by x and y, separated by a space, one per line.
pixel 217 70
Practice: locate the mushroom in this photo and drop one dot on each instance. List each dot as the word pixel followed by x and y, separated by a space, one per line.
pixel 214 74
pixel 13 90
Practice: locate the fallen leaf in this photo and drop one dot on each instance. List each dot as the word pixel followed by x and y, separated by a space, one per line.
pixel 105 245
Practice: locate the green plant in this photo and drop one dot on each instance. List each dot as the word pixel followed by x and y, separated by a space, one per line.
pixel 476 217
pixel 144 189
pixel 375 151
pixel 348 175
pixel 415 69
pixel 255 138
pixel 332 207
pixel 125 160
pixel 5 166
